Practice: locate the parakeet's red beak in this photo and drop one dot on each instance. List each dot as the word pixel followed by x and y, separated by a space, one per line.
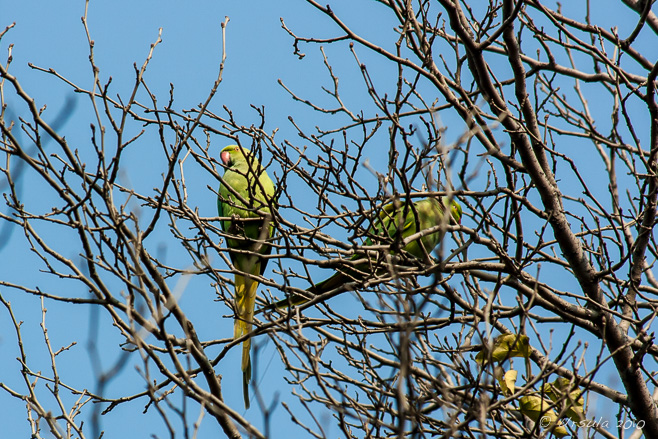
pixel 226 157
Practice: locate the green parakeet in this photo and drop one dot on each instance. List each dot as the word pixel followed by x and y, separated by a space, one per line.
pixel 395 223
pixel 246 196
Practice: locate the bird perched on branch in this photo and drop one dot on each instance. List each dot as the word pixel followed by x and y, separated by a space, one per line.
pixel 246 197
pixel 395 225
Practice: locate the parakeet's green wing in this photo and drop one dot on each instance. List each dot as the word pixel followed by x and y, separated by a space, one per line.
pixel 249 229
pixel 422 215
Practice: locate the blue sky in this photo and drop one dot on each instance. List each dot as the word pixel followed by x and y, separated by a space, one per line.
pixel 259 53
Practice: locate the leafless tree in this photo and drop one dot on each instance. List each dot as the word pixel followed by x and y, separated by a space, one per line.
pixel 532 117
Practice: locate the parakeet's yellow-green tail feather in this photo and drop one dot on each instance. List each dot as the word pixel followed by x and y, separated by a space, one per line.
pixel 245 298
pixel 246 375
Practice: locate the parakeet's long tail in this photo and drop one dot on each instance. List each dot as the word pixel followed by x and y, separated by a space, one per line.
pixel 245 298
pixel 339 279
